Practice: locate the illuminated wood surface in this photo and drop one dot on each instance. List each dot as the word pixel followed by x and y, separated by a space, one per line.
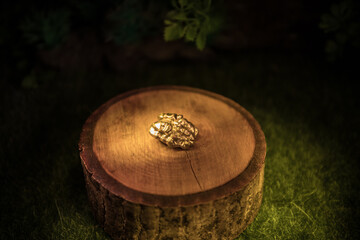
pixel 141 189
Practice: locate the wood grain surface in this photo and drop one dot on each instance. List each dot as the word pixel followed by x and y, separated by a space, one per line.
pixel 117 148
pixel 129 154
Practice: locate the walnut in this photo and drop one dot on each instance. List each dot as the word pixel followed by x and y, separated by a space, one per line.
pixel 174 130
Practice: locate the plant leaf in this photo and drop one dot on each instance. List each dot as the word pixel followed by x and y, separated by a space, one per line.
pixel 174 4
pixel 182 3
pixel 171 14
pixel 201 39
pixel 181 16
pixel 168 22
pixel 331 47
pixel 329 23
pixel 208 5
pixel 191 33
pixel 173 32
pixel 30 82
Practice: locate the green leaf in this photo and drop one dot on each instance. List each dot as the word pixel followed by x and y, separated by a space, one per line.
pixel 174 4
pixel 353 29
pixel 341 38
pixel 191 33
pixel 173 32
pixel 46 30
pixel 345 9
pixel 208 5
pixel 182 3
pixel 29 82
pixel 181 16
pixel 184 30
pixel 329 23
pixel 331 47
pixel 341 10
pixel 171 14
pixel 168 22
pixel 201 39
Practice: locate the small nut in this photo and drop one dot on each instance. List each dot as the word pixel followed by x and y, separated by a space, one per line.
pixel 174 130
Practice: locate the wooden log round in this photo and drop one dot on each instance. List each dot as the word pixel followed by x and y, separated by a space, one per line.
pixel 139 188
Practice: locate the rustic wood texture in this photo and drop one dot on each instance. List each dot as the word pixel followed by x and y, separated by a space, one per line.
pixel 141 189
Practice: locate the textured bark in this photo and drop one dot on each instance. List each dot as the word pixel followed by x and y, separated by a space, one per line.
pixel 224 218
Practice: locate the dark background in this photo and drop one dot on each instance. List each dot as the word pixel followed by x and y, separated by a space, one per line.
pixel 292 64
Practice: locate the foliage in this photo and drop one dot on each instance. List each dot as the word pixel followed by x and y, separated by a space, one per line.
pixel 133 20
pixel 127 23
pixel 124 22
pixel 46 29
pixel 87 12
pixel 191 20
pixel 30 82
pixel 342 25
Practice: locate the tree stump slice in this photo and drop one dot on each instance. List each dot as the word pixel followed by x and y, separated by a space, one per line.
pixel 139 188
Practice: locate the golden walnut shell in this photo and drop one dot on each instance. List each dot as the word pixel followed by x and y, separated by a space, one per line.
pixel 174 130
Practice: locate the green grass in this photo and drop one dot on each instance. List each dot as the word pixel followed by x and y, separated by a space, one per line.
pixel 309 115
